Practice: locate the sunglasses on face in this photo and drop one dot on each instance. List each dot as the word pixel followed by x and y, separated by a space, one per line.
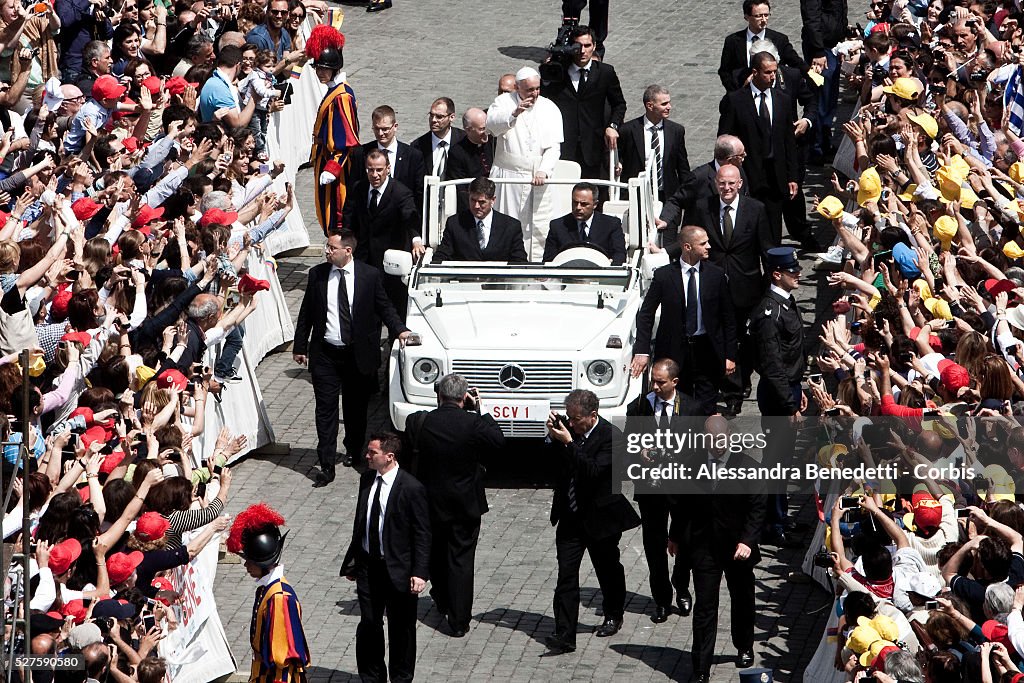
pixel 278 12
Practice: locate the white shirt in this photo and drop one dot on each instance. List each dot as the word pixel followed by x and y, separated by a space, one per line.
pixel 438 151
pixel 735 204
pixel 686 268
pixel 751 37
pixel 487 226
pixel 781 292
pixel 380 193
pixel 332 334
pixel 391 152
pixel 658 404
pixel 386 483
pixel 757 100
pixel 276 573
pixel 574 74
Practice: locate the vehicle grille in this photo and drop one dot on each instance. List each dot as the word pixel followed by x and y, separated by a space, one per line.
pixel 542 379
pixel 522 430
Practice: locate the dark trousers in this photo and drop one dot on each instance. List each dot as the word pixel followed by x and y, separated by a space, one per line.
pixel 452 562
pixel 598 17
pixel 774 201
pixel 378 597
pixel 334 372
pixel 707 579
pixel 570 542
pixel 229 352
pixel 780 448
pixel 700 373
pixel 733 385
pixel 828 102
pixel 654 511
pixel 397 292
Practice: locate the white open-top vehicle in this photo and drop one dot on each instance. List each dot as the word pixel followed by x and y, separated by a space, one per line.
pixel 525 335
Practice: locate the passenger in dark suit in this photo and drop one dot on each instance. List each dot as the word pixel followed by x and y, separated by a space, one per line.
pixel 472 156
pixel 481 234
pixel 388 558
pixel 584 227
pixel 721 534
pixel 406 162
pixel 382 213
pixel 590 99
pixel 342 309
pixel 736 50
pixel 738 245
pixel 763 119
pixel 637 143
pixel 453 442
pixel 728 150
pixel 589 517
pixel 436 145
pixel 697 328
pixel 663 404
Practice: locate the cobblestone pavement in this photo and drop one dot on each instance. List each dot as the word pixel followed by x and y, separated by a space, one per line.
pixel 405 57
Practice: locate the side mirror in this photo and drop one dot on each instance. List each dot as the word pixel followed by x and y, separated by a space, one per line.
pixel 650 263
pixel 398 262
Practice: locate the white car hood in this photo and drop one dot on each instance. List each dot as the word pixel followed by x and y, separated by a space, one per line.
pixel 558 324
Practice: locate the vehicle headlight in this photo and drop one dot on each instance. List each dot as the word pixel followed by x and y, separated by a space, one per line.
pixel 600 372
pixel 425 370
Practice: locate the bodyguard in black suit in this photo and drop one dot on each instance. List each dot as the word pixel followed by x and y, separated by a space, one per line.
pixel 472 156
pixel 728 150
pixel 763 119
pixel 481 234
pixel 802 93
pixel 653 135
pixel 663 404
pixel 589 517
pixel 590 99
pixel 736 50
pixel 342 309
pixel 584 227
pixel 388 558
pixel 405 161
pixel 382 213
pixel 453 442
pixel 721 534
pixel 436 145
pixel 697 328
pixel 739 242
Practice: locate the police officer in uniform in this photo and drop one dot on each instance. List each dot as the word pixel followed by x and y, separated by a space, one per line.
pixel 778 329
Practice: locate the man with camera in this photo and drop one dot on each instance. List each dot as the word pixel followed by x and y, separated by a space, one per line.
pixel 587 89
pixel 452 443
pixel 588 516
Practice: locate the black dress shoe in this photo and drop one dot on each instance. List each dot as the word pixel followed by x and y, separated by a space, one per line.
pixel 346 460
pixel 733 408
pixel 323 479
pixel 685 605
pixel 781 540
pixel 378 6
pixel 559 645
pixel 661 613
pixel 745 660
pixel 609 628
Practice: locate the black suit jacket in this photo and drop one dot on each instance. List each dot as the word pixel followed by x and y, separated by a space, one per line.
pixel 370 306
pixel 716 308
pixel 586 114
pixel 589 464
pixel 742 256
pixel 739 117
pixel 410 169
pixel 391 226
pixel 459 242
pixel 734 57
pixel 464 161
pixel 605 233
pixel 678 178
pixel 704 186
pixel 424 145
pixel 716 522
pixel 406 537
pixel 452 444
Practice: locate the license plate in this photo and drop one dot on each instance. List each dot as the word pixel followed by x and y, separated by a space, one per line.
pixel 517 411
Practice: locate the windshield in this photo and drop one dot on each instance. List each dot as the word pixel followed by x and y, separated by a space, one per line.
pixel 498 278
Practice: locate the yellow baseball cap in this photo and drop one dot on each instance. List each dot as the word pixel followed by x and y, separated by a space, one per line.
pixel 1012 250
pixel 904 88
pixel 831 208
pixel 926 121
pixel 870 187
pixel 1016 171
pixel 945 230
pixel 939 308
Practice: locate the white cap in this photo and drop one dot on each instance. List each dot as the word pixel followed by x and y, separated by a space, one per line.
pixel 925 584
pixel 526 72
pixel 52 96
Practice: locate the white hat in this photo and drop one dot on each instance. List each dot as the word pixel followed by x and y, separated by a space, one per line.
pixel 52 96
pixel 526 72
pixel 84 635
pixel 925 584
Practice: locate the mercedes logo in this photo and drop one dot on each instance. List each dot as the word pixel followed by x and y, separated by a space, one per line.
pixel 511 376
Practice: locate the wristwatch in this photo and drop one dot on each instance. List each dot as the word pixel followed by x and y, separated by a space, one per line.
pixel 613 126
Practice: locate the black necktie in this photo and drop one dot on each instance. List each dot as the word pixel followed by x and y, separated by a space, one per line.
pixel 374 200
pixel 580 440
pixel 664 412
pixel 727 223
pixel 344 312
pixel 691 303
pixel 584 232
pixel 373 537
pixel 766 117
pixel 584 73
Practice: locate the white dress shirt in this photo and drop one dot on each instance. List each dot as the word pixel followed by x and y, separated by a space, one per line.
pixel 574 74
pixel 686 268
pixel 332 334
pixel 487 227
pixel 781 292
pixel 735 204
pixel 751 37
pixel 380 190
pixel 658 404
pixel 391 152
pixel 757 101
pixel 386 483
pixel 438 151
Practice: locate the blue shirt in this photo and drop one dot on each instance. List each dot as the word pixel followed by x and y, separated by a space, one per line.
pixel 74 140
pixel 260 37
pixel 217 94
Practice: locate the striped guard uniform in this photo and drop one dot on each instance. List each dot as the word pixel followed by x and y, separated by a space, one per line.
pixel 280 651
pixel 335 134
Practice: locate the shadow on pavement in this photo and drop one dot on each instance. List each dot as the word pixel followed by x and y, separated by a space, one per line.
pixel 533 54
pixel 318 674
pixel 664 660
pixel 537 626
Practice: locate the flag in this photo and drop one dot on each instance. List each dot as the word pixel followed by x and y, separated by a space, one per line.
pixel 1013 101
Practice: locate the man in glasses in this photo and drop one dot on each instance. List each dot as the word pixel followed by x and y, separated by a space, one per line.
pixel 728 150
pixel 406 161
pixel 272 35
pixel 736 50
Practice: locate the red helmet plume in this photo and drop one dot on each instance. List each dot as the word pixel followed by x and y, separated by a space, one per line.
pixel 323 36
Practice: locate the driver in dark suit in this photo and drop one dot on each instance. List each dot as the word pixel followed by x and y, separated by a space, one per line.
pixel 585 228
pixel 481 234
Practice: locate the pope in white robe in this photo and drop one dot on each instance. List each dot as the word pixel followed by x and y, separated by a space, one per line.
pixel 528 132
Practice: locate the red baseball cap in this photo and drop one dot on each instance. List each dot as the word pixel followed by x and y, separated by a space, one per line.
pixel 151 526
pixel 94 434
pixel 59 305
pixel 928 515
pixel 218 217
pixel 147 214
pixel 171 378
pixel 997 633
pixel 933 340
pixel 995 287
pixel 121 566
pixel 76 609
pixel 85 208
pixel 954 377
pixel 107 87
pixel 153 85
pixel 82 338
pixel 132 144
pixel 63 555
pixel 111 462
pixel 118 115
pixel 177 85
